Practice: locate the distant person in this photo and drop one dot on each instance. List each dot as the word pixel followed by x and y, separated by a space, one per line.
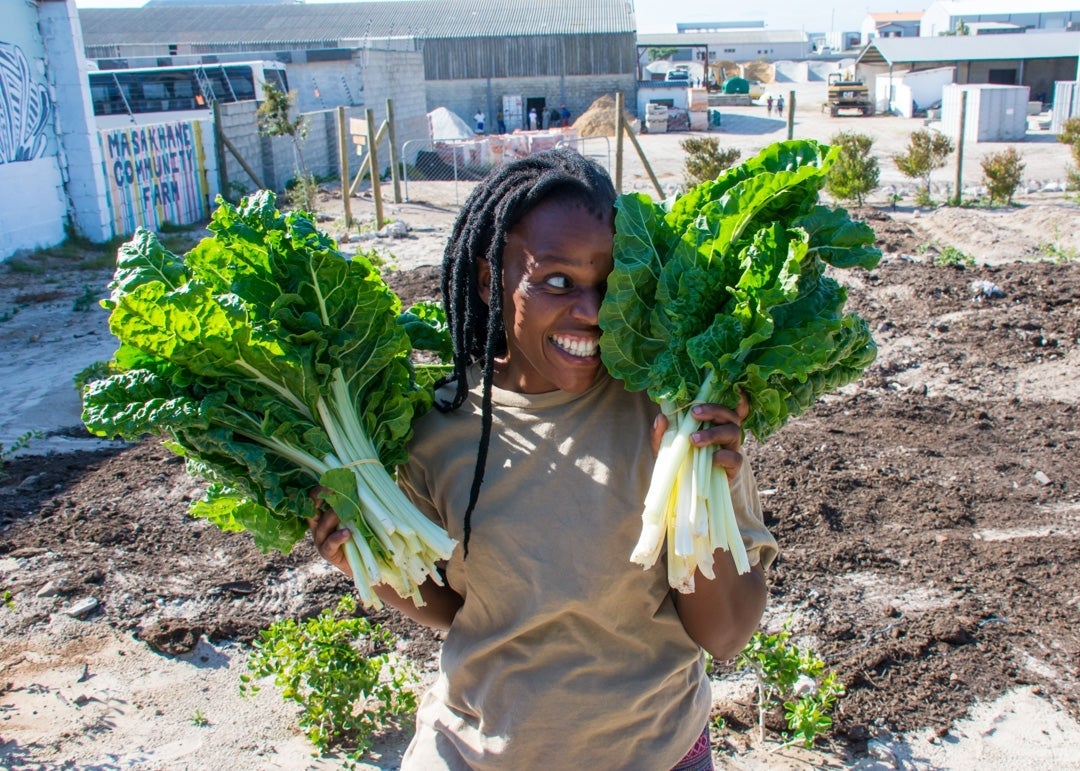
pixel 565 116
pixel 780 106
pixel 533 119
pixel 479 118
pixel 768 105
pixel 553 118
pixel 500 122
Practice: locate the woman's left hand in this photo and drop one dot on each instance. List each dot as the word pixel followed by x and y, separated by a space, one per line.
pixel 721 428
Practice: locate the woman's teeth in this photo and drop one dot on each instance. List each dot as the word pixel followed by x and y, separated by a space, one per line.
pixel 577 347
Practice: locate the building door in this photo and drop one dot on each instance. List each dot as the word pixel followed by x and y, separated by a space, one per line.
pixel 1002 77
pixel 537 102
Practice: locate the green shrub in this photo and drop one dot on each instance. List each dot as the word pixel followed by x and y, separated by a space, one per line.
pixel 1002 173
pixel 1070 135
pixel 705 159
pixel 855 173
pixel 340 670
pixel 926 152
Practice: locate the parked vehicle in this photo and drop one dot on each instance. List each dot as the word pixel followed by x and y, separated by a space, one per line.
pixel 846 92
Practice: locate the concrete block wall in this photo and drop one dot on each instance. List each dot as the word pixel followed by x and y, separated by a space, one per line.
pixel 274 158
pixel 397 75
pixel 325 85
pixel 577 93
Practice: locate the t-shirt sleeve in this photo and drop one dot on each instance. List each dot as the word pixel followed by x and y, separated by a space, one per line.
pixel 411 480
pixel 760 545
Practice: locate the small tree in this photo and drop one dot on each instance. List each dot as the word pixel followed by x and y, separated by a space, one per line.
pixel 1002 173
pixel 655 54
pixel 855 172
pixel 1070 135
pixel 275 120
pixel 705 159
pixel 926 152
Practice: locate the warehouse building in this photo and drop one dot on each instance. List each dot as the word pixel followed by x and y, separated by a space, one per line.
pixel 1035 60
pixel 491 55
pixel 996 16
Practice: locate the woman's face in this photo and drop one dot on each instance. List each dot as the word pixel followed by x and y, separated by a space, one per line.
pixel 555 268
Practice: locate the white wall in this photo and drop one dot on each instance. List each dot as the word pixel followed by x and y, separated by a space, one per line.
pixel 32 206
pixel 80 151
pixel 911 90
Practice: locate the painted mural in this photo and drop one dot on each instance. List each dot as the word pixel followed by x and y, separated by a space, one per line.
pixel 25 108
pixel 155 174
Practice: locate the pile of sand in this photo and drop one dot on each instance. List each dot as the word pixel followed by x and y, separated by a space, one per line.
pixel 762 72
pixel 599 119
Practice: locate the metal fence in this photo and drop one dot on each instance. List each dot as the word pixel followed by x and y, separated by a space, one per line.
pixel 468 160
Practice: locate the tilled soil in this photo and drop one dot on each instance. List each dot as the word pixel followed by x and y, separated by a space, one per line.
pixel 928 516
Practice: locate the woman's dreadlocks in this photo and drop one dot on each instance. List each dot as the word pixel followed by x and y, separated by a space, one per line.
pixel 493 208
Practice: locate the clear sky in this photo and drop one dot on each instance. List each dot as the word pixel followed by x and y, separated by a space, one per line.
pixel 661 15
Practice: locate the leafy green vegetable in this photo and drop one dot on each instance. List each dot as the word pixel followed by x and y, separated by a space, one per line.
pixel 720 292
pixel 274 365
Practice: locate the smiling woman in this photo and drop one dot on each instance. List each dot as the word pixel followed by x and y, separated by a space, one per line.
pixel 556 264
pixel 537 463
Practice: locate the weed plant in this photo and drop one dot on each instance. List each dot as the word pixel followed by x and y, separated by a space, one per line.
pixel 340 670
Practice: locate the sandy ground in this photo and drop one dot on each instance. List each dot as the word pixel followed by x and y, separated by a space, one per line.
pixel 78 694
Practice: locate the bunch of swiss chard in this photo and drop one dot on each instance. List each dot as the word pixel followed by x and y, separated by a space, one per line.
pixel 723 291
pixel 274 365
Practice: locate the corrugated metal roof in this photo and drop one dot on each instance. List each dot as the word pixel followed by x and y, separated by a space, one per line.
pixel 733 37
pixel 352 21
pixel 1031 45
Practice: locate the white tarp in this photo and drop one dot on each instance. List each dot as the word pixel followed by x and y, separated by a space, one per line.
pixel 444 124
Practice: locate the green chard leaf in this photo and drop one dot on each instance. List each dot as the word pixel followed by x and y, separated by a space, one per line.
pixel 272 364
pixel 724 287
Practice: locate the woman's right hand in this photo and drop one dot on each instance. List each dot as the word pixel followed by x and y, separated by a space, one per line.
pixel 329 535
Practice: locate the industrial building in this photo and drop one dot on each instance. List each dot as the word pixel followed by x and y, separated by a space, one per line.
pixel 503 56
pixel 997 16
pixel 1037 60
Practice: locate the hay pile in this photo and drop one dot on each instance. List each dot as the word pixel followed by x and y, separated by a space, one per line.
pixel 599 119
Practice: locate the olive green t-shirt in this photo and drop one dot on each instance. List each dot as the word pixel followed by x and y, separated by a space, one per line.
pixel 565 654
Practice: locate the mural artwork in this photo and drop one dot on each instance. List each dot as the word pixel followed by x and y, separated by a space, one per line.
pixel 155 174
pixel 25 108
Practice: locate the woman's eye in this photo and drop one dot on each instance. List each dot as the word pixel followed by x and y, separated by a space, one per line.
pixel 558 282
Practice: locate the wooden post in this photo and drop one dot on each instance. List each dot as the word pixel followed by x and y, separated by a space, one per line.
pixel 343 164
pixel 791 116
pixel 960 149
pixel 219 153
pixel 240 159
pixel 395 173
pixel 644 161
pixel 619 128
pixel 373 167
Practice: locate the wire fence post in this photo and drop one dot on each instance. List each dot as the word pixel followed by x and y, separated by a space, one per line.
pixel 618 141
pixel 343 164
pixel 395 174
pixel 373 167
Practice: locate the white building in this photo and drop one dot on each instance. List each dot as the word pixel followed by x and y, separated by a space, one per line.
pixel 1049 15
pixel 739 45
pixel 898 24
pixel 51 175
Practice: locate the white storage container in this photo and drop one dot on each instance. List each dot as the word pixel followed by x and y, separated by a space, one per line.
pixel 1066 103
pixel 994 113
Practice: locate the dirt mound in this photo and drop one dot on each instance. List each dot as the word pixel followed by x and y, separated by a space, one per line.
pixel 599 119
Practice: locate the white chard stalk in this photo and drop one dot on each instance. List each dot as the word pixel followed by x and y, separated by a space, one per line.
pixel 689 504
